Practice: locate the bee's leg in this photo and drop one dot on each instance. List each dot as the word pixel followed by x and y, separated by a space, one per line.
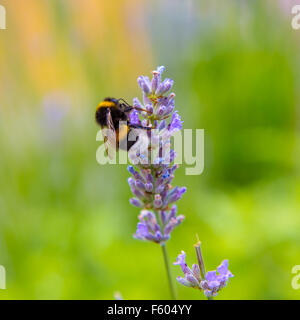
pixel 141 109
pixel 127 108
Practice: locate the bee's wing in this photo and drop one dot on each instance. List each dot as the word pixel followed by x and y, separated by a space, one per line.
pixel 109 135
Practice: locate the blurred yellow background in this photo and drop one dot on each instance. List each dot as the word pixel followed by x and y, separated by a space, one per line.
pixel 65 222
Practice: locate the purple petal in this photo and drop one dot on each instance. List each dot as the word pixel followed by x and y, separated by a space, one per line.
pixel 223 267
pixel 176 123
pixel 136 103
pixel 142 230
pixel 134 117
pixel 211 276
pixel 181 261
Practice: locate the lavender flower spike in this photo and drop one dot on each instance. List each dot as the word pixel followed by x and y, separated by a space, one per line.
pixel 153 171
pixel 211 282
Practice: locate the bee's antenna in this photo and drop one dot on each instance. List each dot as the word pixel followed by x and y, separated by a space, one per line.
pixel 136 108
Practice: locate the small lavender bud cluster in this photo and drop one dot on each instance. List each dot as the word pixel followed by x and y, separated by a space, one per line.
pixel 153 171
pixel 211 282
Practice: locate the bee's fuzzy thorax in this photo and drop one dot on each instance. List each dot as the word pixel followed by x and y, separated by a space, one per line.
pixel 106 104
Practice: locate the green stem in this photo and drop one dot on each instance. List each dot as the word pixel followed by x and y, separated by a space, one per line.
pixel 166 260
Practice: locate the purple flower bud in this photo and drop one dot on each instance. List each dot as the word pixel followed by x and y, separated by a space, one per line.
pixel 176 166
pixel 149 108
pixel 137 104
pixel 158 236
pixel 131 182
pixel 163 217
pixel 136 202
pixel 176 194
pixel 139 194
pixel 169 109
pixel 159 188
pixel 162 125
pixel 149 178
pixel 144 84
pixel 180 218
pixel 149 187
pixel 160 69
pixel 157 201
pixel 171 97
pixel 170 226
pixel 155 80
pixel 164 87
pixel 146 99
pixel 173 212
pixel 185 282
pixel 160 111
pixel 168 84
pixel 139 185
pixel 131 169
pixel 137 175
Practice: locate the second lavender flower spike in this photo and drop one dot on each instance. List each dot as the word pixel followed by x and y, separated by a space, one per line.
pixel 211 282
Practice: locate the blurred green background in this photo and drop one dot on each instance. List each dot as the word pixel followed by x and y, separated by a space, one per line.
pixel 65 222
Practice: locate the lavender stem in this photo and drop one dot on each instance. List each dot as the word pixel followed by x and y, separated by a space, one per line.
pixel 166 260
pixel 200 259
pixel 201 263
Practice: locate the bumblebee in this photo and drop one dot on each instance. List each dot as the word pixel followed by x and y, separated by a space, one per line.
pixel 109 113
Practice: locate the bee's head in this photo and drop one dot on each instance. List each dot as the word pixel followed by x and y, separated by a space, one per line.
pixel 111 100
